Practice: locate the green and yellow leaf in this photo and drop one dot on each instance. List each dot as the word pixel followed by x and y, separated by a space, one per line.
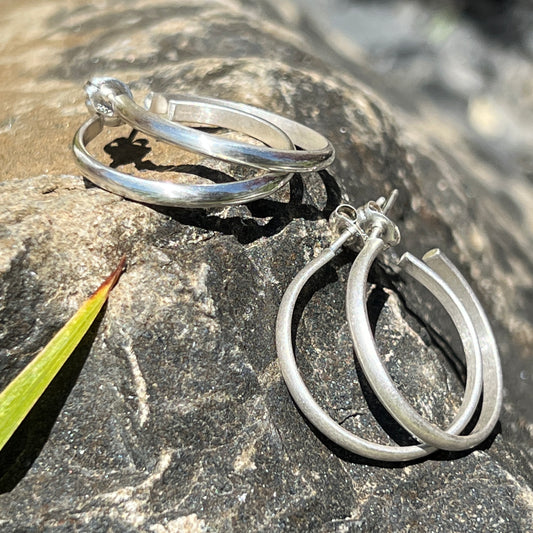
pixel 22 393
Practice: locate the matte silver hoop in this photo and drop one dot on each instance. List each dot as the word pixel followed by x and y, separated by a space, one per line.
pixel 436 269
pixel 174 194
pixel 447 285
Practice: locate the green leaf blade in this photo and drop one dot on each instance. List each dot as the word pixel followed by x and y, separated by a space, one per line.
pixel 17 399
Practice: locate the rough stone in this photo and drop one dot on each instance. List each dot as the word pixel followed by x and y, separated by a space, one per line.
pixel 172 414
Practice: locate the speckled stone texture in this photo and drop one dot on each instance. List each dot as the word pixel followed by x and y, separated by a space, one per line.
pixel 172 414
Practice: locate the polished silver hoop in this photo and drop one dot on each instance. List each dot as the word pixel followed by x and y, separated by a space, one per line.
pixel 178 194
pixel 112 100
pixel 167 193
pixel 443 280
pixel 315 152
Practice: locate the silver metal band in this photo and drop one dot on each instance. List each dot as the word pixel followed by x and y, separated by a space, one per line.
pixel 185 195
pixel 444 289
pixel 315 153
pixel 112 99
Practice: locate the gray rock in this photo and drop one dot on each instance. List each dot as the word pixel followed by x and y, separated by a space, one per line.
pixel 172 414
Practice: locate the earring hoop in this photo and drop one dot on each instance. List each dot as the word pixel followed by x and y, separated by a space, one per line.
pixel 372 224
pixel 438 272
pixel 375 371
pixel 167 193
pixel 315 151
pixel 112 100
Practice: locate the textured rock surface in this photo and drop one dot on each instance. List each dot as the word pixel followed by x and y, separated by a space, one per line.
pixel 172 415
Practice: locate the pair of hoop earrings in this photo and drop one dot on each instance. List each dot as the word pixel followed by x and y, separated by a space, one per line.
pixel 437 274
pixel 112 103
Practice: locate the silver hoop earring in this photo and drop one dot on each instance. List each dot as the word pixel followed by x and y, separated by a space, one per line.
pixel 445 282
pixel 112 104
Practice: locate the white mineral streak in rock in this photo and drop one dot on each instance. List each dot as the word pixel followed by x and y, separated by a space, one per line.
pixel 140 384
pixel 131 504
pixel 245 461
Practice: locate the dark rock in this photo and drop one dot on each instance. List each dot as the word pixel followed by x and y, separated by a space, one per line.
pixel 172 414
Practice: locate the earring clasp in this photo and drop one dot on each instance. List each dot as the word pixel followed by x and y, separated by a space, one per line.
pixel 368 221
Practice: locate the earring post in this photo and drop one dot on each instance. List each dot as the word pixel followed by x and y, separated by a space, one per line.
pixel 390 201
